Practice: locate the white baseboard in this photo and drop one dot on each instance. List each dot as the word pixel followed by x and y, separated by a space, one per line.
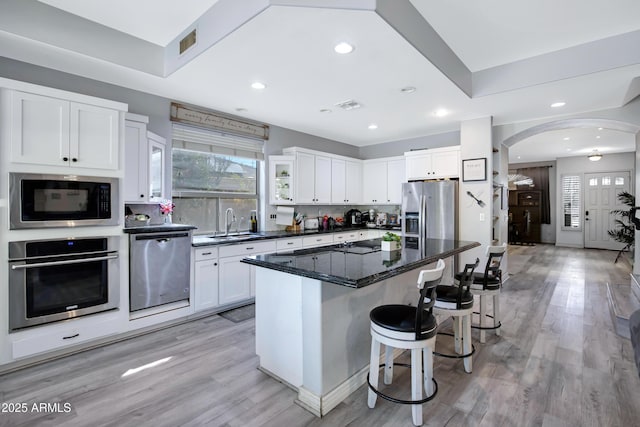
pixel 321 405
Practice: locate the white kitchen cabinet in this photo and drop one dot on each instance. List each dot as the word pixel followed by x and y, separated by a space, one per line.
pixel 57 132
pixel 347 236
pixel 281 180
pixel 59 335
pixel 145 162
pixel 436 163
pixel 236 279
pixel 346 181
pixel 382 181
pixel 205 278
pixel 312 177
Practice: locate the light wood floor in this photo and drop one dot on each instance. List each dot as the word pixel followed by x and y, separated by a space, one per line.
pixel 557 363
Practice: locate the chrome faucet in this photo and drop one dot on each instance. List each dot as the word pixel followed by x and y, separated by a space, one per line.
pixel 228 223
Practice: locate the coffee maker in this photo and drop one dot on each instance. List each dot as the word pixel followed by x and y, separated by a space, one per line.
pixel 353 217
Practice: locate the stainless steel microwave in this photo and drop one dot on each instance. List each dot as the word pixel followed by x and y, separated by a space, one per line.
pixel 41 201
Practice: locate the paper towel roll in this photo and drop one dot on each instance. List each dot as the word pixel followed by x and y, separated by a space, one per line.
pixel 284 215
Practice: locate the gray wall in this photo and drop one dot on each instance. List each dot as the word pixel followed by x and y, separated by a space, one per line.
pixel 397 148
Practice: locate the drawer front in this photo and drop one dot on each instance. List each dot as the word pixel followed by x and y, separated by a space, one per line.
pixel 247 248
pixel 287 244
pixel 78 331
pixel 203 254
pixel 317 240
pixel 346 237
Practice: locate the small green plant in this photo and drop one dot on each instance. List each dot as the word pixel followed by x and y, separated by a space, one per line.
pixel 390 237
pixel 625 231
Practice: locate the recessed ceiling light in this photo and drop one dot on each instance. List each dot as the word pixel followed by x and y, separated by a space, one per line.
pixel 325 110
pixel 258 85
pixel 440 112
pixel 598 137
pixel 408 89
pixel 599 128
pixel 519 157
pixel 343 48
pixel 558 104
pixel 373 126
pixel 568 149
pixel 566 138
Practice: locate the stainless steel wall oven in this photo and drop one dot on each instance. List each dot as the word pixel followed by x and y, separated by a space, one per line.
pixel 52 280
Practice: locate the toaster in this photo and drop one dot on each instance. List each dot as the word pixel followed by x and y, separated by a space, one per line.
pixel 311 224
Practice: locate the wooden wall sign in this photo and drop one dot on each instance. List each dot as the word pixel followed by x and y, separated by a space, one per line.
pixel 190 115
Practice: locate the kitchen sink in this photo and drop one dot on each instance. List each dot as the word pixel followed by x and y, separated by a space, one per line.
pixel 234 237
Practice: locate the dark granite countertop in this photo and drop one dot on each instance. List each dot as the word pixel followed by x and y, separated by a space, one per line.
pixel 361 263
pixel 158 228
pixel 208 240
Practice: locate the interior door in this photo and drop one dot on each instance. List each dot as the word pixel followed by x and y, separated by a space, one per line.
pixel 601 197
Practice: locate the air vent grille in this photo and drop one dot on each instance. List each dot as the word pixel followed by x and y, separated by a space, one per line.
pixel 188 41
pixel 349 104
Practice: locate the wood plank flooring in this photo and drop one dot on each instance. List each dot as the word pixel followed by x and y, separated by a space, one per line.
pixel 557 363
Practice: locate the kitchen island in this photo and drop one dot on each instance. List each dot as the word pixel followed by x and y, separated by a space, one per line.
pixel 312 310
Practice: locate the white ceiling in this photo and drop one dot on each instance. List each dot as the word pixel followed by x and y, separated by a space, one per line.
pixel 290 49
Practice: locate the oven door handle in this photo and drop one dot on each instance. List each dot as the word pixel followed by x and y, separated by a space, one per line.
pixel 69 261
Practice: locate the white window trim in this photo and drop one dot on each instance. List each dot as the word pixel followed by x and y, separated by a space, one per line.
pixel 577 179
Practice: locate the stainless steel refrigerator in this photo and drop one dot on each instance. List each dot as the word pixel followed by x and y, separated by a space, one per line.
pixel 430 209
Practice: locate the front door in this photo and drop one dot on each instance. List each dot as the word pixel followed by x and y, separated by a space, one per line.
pixel 601 197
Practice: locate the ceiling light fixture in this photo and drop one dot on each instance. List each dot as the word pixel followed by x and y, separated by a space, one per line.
pixel 440 112
pixel 599 128
pixel 373 126
pixel 595 156
pixel 408 89
pixel 258 85
pixel 343 48
pixel 566 138
pixel 558 104
pixel 597 136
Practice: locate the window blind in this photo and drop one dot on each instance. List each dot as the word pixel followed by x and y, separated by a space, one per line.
pixel 208 141
pixel 571 202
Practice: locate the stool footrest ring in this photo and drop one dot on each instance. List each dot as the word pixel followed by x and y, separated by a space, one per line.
pixel 486 328
pixel 403 402
pixel 454 356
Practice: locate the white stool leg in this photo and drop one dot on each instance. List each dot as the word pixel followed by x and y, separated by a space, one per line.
pixel 416 385
pixel 496 312
pixel 483 314
pixel 373 371
pixel 427 354
pixel 457 333
pixel 388 364
pixel 466 342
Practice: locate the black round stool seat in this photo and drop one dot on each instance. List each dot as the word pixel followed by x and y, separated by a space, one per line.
pixel 402 318
pixel 478 279
pixel 449 294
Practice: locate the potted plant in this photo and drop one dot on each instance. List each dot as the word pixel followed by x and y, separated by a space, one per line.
pixel 391 242
pixel 625 231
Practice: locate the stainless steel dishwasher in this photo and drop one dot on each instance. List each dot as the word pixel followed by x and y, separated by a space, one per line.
pixel 159 268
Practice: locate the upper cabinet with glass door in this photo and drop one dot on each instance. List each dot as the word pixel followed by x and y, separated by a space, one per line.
pixel 281 182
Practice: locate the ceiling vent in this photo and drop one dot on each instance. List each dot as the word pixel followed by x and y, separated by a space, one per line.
pixel 349 104
pixel 188 41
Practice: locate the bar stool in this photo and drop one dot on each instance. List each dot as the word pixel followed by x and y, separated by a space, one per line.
pixel 410 328
pixel 488 285
pixel 457 301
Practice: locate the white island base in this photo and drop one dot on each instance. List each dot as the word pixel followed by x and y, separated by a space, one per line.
pixel 314 335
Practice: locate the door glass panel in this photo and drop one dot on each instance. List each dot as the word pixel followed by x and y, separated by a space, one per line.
pixel 593 182
pixel 156 172
pixel 606 180
pixel 619 180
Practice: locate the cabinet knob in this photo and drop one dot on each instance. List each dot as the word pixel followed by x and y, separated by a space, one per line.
pixel 74 159
pixel 142 196
pixel 65 159
pixel 215 264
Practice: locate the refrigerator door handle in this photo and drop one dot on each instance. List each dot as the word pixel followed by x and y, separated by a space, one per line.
pixel 422 220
